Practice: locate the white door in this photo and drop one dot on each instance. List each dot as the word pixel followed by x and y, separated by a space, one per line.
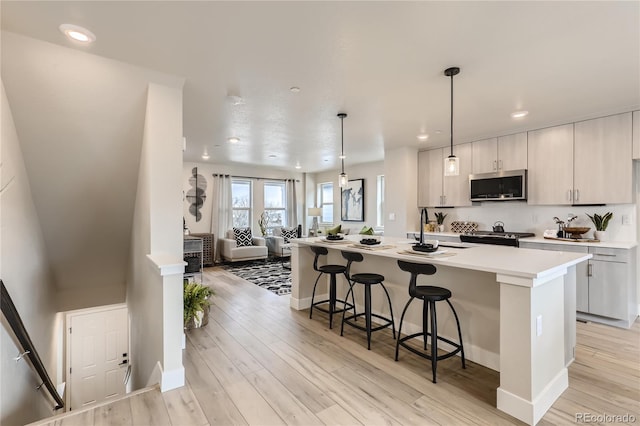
pixel 98 356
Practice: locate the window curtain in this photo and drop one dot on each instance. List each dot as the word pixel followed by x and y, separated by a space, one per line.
pixel 292 204
pixel 221 213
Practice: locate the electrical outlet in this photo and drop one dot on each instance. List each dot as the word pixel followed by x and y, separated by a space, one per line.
pixel 539 325
pixel 626 219
pixel 392 216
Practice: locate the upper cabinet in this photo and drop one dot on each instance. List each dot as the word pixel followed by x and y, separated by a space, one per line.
pixel 636 135
pixel 500 154
pixel 550 156
pixel 585 163
pixel 437 190
pixel 602 168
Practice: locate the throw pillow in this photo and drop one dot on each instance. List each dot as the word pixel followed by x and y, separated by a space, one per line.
pixel 243 236
pixel 288 234
pixel 366 230
pixel 335 230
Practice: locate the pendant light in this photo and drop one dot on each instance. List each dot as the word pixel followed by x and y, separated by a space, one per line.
pixel 451 163
pixel 343 180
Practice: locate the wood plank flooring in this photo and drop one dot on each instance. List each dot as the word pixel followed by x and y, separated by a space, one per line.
pixel 258 362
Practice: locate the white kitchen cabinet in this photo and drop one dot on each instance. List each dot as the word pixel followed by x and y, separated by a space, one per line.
pixel 602 168
pixel 512 152
pixel 430 176
pixel 605 285
pixel 499 154
pixel 484 156
pixel 582 163
pixel 550 171
pixel 437 190
pixel 612 287
pixel 636 135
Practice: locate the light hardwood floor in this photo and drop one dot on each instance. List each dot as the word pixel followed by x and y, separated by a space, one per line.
pixel 258 362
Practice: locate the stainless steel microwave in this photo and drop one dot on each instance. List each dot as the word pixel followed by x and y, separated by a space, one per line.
pixel 499 186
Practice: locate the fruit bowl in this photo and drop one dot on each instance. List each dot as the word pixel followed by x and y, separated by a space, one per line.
pixel 576 231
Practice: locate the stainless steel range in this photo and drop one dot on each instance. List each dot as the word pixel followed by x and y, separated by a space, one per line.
pixel 498 238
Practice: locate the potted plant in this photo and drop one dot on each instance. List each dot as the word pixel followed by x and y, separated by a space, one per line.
pixel 440 220
pixel 263 223
pixel 601 223
pixel 196 304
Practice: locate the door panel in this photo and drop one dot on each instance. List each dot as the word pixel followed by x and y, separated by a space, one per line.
pixel 98 346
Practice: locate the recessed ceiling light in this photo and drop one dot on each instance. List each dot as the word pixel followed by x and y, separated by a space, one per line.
pixel 423 137
pixel 205 156
pixel 438 132
pixel 77 33
pixel 519 114
pixel 272 156
pixel 233 139
pixel 298 166
pixel 294 89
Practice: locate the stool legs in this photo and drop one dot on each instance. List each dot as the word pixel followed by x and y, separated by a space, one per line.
pixel 429 316
pixel 332 299
pixel 368 314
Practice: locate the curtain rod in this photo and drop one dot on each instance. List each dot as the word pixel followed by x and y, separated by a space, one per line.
pixel 251 177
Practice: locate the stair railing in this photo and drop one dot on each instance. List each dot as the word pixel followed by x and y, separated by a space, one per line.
pixel 15 322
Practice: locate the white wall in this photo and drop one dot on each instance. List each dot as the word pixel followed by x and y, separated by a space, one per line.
pixel 207 170
pixel 367 171
pixel 155 301
pixel 25 271
pixel 401 194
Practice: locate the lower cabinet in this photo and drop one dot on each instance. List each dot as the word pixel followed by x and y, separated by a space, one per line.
pixel 605 285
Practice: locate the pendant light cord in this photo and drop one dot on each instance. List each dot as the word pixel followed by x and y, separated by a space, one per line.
pixel 342 148
pixel 451 115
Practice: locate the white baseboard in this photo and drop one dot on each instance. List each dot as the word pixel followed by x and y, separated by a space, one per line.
pixel 531 412
pixel 300 304
pixel 166 379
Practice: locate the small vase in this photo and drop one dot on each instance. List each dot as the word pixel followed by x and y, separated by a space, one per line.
pixel 440 228
pixel 600 235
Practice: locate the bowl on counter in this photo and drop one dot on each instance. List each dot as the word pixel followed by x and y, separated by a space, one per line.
pixel 576 231
pixel 370 240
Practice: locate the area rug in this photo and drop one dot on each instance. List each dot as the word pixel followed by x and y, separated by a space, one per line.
pixel 269 275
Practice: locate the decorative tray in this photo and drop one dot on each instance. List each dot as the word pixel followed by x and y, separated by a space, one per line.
pixel 439 253
pixel 574 240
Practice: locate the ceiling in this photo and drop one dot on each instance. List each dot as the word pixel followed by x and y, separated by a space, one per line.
pixel 380 62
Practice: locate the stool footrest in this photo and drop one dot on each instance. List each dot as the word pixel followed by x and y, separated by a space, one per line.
pixel 401 342
pixel 345 306
pixel 347 320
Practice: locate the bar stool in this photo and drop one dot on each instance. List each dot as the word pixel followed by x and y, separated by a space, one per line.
pixel 366 279
pixel 332 270
pixel 429 296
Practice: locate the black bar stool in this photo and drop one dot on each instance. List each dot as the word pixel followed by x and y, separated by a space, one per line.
pixel 366 279
pixel 332 270
pixel 429 296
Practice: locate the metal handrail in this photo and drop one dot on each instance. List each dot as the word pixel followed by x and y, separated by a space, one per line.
pixel 13 318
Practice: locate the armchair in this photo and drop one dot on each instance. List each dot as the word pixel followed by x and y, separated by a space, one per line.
pixel 278 243
pixel 232 253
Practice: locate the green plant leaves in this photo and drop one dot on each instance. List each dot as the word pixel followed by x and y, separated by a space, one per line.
pixel 196 298
pixel 601 222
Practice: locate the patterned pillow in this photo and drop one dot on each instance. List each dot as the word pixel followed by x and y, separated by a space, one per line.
pixel 243 236
pixel 288 234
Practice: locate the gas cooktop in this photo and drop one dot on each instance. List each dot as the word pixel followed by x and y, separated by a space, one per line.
pixel 497 238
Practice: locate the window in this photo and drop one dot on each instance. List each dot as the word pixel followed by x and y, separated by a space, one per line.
pixel 380 200
pixel 241 203
pixel 326 202
pixel 275 202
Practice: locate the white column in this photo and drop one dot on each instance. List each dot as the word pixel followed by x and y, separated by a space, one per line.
pixel 532 332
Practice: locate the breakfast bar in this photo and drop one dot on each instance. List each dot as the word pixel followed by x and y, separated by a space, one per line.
pixel 516 308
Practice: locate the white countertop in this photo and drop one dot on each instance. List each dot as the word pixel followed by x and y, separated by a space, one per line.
pixel 608 244
pixel 518 262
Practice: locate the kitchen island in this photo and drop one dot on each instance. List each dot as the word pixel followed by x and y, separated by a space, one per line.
pixel 516 308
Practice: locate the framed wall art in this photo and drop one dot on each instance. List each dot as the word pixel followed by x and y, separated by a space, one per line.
pixel 352 201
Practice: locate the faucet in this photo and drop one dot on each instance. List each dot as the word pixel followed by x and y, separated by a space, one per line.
pixel 424 218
